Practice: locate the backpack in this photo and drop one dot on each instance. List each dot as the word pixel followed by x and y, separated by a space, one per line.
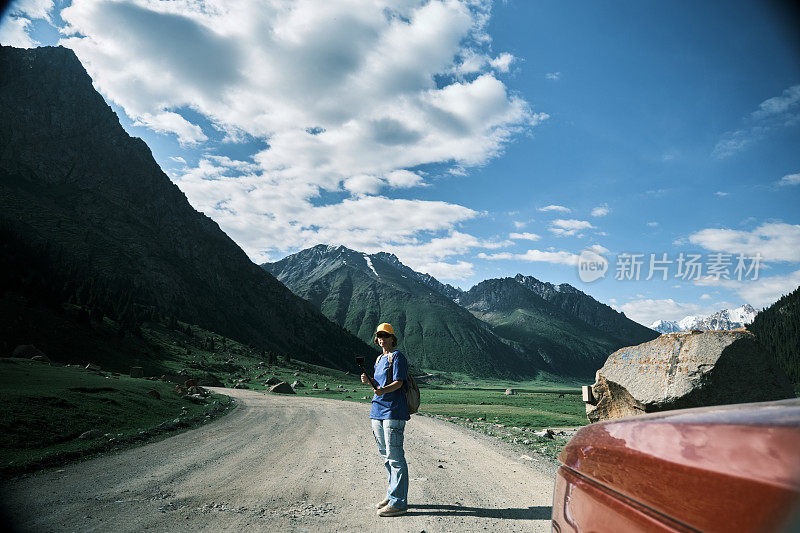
pixel 411 389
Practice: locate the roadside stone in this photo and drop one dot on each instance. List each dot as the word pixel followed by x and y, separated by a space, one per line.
pixel 510 392
pixel 282 388
pixel 91 434
pixel 273 381
pixel 685 369
pixel 297 384
pixel 93 367
pixel 240 386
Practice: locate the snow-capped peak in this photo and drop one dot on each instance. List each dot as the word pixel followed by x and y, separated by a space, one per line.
pixel 724 319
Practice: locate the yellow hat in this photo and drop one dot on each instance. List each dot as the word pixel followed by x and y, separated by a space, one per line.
pixel 386 327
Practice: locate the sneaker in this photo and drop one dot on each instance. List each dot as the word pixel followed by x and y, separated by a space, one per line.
pixel 383 504
pixel 391 511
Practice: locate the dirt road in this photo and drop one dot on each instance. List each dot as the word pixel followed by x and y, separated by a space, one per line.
pixel 289 463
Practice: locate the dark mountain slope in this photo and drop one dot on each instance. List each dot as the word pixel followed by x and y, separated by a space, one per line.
pixel 778 330
pixel 569 345
pixel 582 306
pixel 72 179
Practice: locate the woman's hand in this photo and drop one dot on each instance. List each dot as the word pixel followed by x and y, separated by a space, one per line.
pixel 364 378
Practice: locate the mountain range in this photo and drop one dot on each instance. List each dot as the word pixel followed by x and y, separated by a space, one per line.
pixel 724 319
pixel 510 326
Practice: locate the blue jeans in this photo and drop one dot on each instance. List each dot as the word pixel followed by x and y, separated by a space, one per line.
pixel 389 437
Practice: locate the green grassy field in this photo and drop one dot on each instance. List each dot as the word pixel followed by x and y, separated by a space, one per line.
pixel 46 408
pixel 512 418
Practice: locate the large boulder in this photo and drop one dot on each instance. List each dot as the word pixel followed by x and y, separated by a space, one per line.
pixel 685 369
pixel 282 388
pixel 273 381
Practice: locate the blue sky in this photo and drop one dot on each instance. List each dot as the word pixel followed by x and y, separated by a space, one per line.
pixel 472 139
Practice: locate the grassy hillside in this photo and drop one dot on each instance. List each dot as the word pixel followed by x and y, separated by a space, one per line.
pixel 46 408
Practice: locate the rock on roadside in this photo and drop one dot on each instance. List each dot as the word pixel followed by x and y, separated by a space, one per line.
pixel 282 388
pixel 686 369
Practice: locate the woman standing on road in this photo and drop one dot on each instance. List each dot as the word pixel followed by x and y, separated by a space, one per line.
pixel 389 414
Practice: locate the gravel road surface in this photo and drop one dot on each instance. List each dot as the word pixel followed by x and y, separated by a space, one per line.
pixel 290 463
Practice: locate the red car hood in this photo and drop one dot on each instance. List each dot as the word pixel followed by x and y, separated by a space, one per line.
pixel 702 467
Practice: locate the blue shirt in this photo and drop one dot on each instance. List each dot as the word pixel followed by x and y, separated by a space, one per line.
pixel 392 405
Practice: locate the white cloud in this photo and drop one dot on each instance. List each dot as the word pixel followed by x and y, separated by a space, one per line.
pixel 569 227
pixel 778 105
pixel 448 271
pixel 652 224
pixel 473 62
pixel 560 257
pixel 14 32
pixel 266 215
pixel 525 236
pixel 520 224
pixel 761 292
pixel 360 77
pixel 559 208
pixel 602 250
pixel 178 159
pixel 168 122
pixel 774 241
pixel 502 62
pixel 790 179
pixel 403 178
pixel 363 184
pixel 553 76
pixel 420 256
pixel 601 210
pixel 16 23
pixel 705 297
pixel 774 113
pixel 34 9
pixel 721 193
pixel 347 95
pixel 645 311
